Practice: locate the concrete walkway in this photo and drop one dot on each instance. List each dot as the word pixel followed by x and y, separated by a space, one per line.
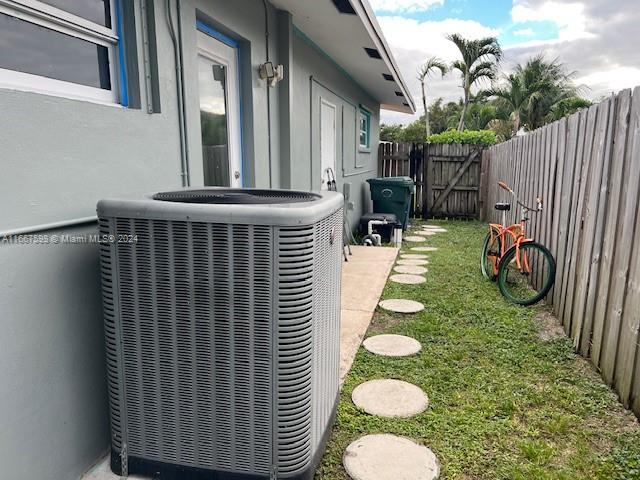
pixel 363 279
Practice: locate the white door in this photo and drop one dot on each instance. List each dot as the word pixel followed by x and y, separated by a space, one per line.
pixel 219 112
pixel 328 143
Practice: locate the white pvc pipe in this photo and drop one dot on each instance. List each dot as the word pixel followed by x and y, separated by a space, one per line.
pixel 48 226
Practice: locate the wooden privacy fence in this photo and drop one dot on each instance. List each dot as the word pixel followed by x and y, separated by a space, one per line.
pixel 586 168
pixel 447 177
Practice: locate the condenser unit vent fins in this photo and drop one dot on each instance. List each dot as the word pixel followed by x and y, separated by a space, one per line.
pixel 326 365
pixel 222 323
pixel 295 350
pixel 188 368
pixel 111 333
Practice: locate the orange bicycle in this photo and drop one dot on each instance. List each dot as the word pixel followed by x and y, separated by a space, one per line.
pixel 510 258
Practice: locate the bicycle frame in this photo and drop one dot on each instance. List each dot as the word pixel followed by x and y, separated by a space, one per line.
pixel 515 232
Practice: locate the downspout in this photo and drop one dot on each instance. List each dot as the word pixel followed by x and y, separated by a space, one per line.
pixel 266 41
pixel 177 56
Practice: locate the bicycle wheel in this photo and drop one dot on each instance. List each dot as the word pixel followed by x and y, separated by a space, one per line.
pixel 529 283
pixel 490 255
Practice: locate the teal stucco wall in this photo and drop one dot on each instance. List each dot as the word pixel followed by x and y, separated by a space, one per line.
pixel 60 156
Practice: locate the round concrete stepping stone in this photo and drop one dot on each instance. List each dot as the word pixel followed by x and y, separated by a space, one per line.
pixel 413 256
pixel 401 306
pixel 412 269
pixel 424 249
pixel 407 279
pixel 389 345
pixel 431 226
pixel 412 261
pixel 388 457
pixel 414 238
pixel 435 229
pixel 390 398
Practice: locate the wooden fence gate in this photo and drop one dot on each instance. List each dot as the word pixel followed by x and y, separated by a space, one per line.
pixel 447 177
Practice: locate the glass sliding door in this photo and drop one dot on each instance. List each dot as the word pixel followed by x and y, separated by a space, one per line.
pixel 219 112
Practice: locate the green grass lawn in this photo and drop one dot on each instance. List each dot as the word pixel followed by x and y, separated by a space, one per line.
pixel 506 401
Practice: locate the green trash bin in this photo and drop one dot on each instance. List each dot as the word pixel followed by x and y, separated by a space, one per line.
pixel 392 195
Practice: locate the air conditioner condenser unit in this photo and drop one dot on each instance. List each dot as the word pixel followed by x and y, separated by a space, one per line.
pixel 222 322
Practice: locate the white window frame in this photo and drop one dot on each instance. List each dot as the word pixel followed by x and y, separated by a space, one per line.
pixel 52 18
pixel 364 113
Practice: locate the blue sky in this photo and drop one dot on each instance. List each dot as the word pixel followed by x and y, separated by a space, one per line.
pixel 489 13
pixel 495 13
pixel 587 35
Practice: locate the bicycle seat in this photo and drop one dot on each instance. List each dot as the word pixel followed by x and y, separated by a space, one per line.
pixel 504 206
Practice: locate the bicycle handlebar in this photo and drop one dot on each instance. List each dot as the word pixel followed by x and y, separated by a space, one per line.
pixel 506 187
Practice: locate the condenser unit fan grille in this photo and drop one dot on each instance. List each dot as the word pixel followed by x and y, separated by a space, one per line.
pixel 230 196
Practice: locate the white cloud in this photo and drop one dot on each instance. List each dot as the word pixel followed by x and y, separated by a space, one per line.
pixel 524 32
pixel 413 41
pixel 404 6
pixel 429 37
pixel 532 44
pixel 611 79
pixel 570 18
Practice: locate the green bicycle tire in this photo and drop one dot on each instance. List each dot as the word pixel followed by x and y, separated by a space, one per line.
pixel 483 259
pixel 549 270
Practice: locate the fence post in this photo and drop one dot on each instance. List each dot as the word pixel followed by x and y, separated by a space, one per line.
pixel 427 178
pixel 483 187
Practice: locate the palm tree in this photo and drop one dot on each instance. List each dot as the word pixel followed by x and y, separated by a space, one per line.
pixel 480 115
pixel 547 83
pixel 567 107
pixel 479 61
pixel 432 64
pixel 514 97
pixel 536 93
